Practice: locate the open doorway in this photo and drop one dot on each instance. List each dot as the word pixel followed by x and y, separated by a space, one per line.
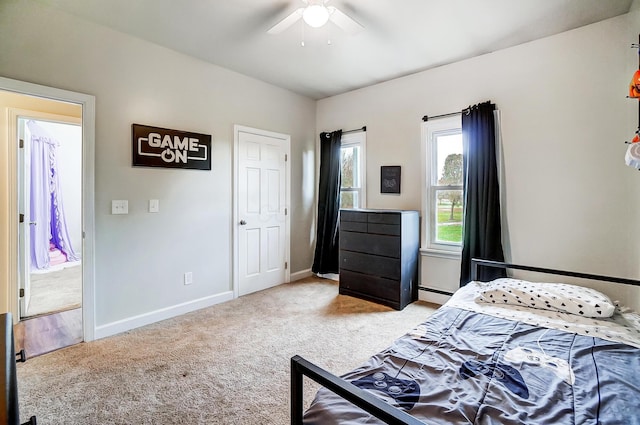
pixel 49 214
pixel 50 204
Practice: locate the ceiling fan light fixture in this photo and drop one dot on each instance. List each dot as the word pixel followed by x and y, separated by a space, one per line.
pixel 315 15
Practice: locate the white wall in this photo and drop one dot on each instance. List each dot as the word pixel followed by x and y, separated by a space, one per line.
pixel 570 202
pixel 141 257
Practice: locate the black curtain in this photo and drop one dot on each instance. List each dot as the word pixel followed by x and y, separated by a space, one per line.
pixel 482 234
pixel 326 259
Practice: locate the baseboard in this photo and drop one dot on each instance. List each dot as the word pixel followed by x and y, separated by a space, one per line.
pixel 331 276
pixel 432 297
pixel 300 275
pixel 124 325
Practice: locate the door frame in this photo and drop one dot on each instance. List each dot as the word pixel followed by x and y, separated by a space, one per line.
pixel 87 102
pixel 237 129
pixel 14 115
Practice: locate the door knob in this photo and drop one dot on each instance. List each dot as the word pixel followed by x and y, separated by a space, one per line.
pixel 33 223
pixel 242 222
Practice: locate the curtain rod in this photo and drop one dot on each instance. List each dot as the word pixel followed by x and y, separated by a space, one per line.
pixel 451 114
pixel 363 128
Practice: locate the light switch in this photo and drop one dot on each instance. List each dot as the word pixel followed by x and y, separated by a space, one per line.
pixel 154 205
pixel 119 206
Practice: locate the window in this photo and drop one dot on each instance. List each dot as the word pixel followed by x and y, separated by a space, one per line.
pixel 352 159
pixel 444 185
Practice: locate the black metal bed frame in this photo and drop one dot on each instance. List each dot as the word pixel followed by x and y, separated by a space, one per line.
pixel 370 403
pixel 9 409
pixel 475 263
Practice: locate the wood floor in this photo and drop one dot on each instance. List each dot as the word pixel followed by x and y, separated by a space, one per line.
pixel 47 333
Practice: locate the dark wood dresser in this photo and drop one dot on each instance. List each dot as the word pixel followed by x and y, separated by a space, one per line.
pixel 379 255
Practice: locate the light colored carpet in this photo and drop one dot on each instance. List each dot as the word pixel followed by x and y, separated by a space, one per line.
pixel 55 291
pixel 227 364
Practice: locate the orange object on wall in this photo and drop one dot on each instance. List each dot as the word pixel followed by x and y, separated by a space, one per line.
pixel 634 87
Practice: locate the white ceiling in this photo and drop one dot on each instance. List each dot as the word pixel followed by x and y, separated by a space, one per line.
pixel 401 37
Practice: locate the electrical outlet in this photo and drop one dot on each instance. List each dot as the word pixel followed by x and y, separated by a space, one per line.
pixel 119 206
pixel 188 278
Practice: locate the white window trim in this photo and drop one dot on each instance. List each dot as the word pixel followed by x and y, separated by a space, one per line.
pixel 431 128
pixel 359 138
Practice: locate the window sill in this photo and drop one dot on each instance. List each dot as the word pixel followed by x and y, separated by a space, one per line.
pixel 441 253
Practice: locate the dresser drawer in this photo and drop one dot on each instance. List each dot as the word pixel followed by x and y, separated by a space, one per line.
pixel 353 226
pixel 386 245
pixel 370 264
pixel 373 286
pixel 384 229
pixel 346 215
pixel 383 218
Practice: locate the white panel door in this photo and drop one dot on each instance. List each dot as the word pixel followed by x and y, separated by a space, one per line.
pixel 261 191
pixel 24 227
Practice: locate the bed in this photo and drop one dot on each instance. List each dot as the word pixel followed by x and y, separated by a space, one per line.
pixel 502 352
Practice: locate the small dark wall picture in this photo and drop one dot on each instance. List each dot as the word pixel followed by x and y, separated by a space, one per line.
pixel 390 179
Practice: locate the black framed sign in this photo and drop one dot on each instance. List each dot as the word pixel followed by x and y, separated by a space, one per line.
pixel 162 147
pixel 390 179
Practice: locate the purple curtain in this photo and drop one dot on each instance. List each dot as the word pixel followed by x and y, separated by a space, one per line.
pixel 47 210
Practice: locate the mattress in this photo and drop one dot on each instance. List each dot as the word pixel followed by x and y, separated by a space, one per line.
pixel 470 365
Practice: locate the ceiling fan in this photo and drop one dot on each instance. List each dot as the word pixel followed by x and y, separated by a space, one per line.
pixel 316 13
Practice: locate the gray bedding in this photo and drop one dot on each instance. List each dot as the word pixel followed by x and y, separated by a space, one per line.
pixel 462 367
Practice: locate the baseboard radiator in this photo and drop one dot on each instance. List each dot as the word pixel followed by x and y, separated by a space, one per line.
pixel 9 409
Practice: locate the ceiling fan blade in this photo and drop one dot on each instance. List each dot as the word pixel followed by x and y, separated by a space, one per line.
pixel 286 22
pixel 344 22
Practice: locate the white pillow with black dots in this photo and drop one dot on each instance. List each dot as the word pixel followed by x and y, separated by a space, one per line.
pixel 562 297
